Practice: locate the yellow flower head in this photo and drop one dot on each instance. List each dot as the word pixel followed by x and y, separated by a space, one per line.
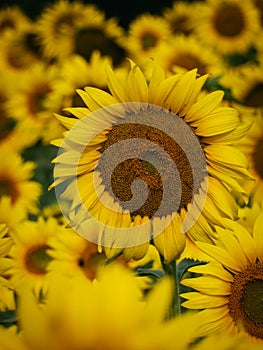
pixel 30 253
pixel 99 179
pixel 230 26
pixel 16 182
pixel 230 290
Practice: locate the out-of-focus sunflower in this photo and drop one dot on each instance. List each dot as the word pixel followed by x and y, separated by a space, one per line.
pixel 145 35
pixel 57 24
pixel 73 255
pixel 230 26
pixel 214 128
pixel 230 291
pixel 32 101
pixel 183 53
pixel 12 19
pixel 247 87
pixel 14 134
pixel 30 253
pixel 16 182
pixel 7 301
pixel 89 322
pixel 180 17
pixel 74 28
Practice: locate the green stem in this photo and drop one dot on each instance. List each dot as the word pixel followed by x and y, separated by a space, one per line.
pixel 171 271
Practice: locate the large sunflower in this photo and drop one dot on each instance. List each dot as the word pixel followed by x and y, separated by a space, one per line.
pixel 231 26
pixel 104 185
pixel 230 291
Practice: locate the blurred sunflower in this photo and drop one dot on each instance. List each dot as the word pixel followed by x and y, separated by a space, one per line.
pixel 7 301
pixel 89 322
pixel 247 86
pixel 57 24
pixel 215 127
pixel 230 26
pixel 32 101
pixel 30 253
pixel 74 28
pixel 180 17
pixel 230 290
pixel 12 19
pixel 14 135
pixel 17 185
pixel 145 34
pixel 183 53
pixel 73 255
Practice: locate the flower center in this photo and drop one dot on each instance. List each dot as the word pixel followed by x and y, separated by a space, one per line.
pixel 229 20
pixel 37 259
pixel 254 97
pixel 89 39
pixel 189 61
pixel 90 260
pixel 151 166
pixel 258 159
pixel 37 98
pixel 7 23
pixel 246 299
pixel 8 188
pixel 180 24
pixel 148 40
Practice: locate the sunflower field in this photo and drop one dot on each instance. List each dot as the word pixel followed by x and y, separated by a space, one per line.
pixel 131 177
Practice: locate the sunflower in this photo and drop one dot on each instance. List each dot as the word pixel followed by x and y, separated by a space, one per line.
pixel 32 101
pixel 57 23
pixel 102 189
pixel 17 185
pixel 30 253
pixel 73 255
pixel 103 315
pixel 12 19
pixel 16 135
pixel 180 17
pixel 229 292
pixel 247 86
pixel 183 53
pixel 145 34
pixel 74 28
pixel 230 26
pixel 7 295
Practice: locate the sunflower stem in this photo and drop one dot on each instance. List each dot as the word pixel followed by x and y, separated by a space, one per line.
pixel 171 271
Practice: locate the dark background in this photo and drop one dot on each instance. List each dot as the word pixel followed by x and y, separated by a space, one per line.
pixel 125 10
